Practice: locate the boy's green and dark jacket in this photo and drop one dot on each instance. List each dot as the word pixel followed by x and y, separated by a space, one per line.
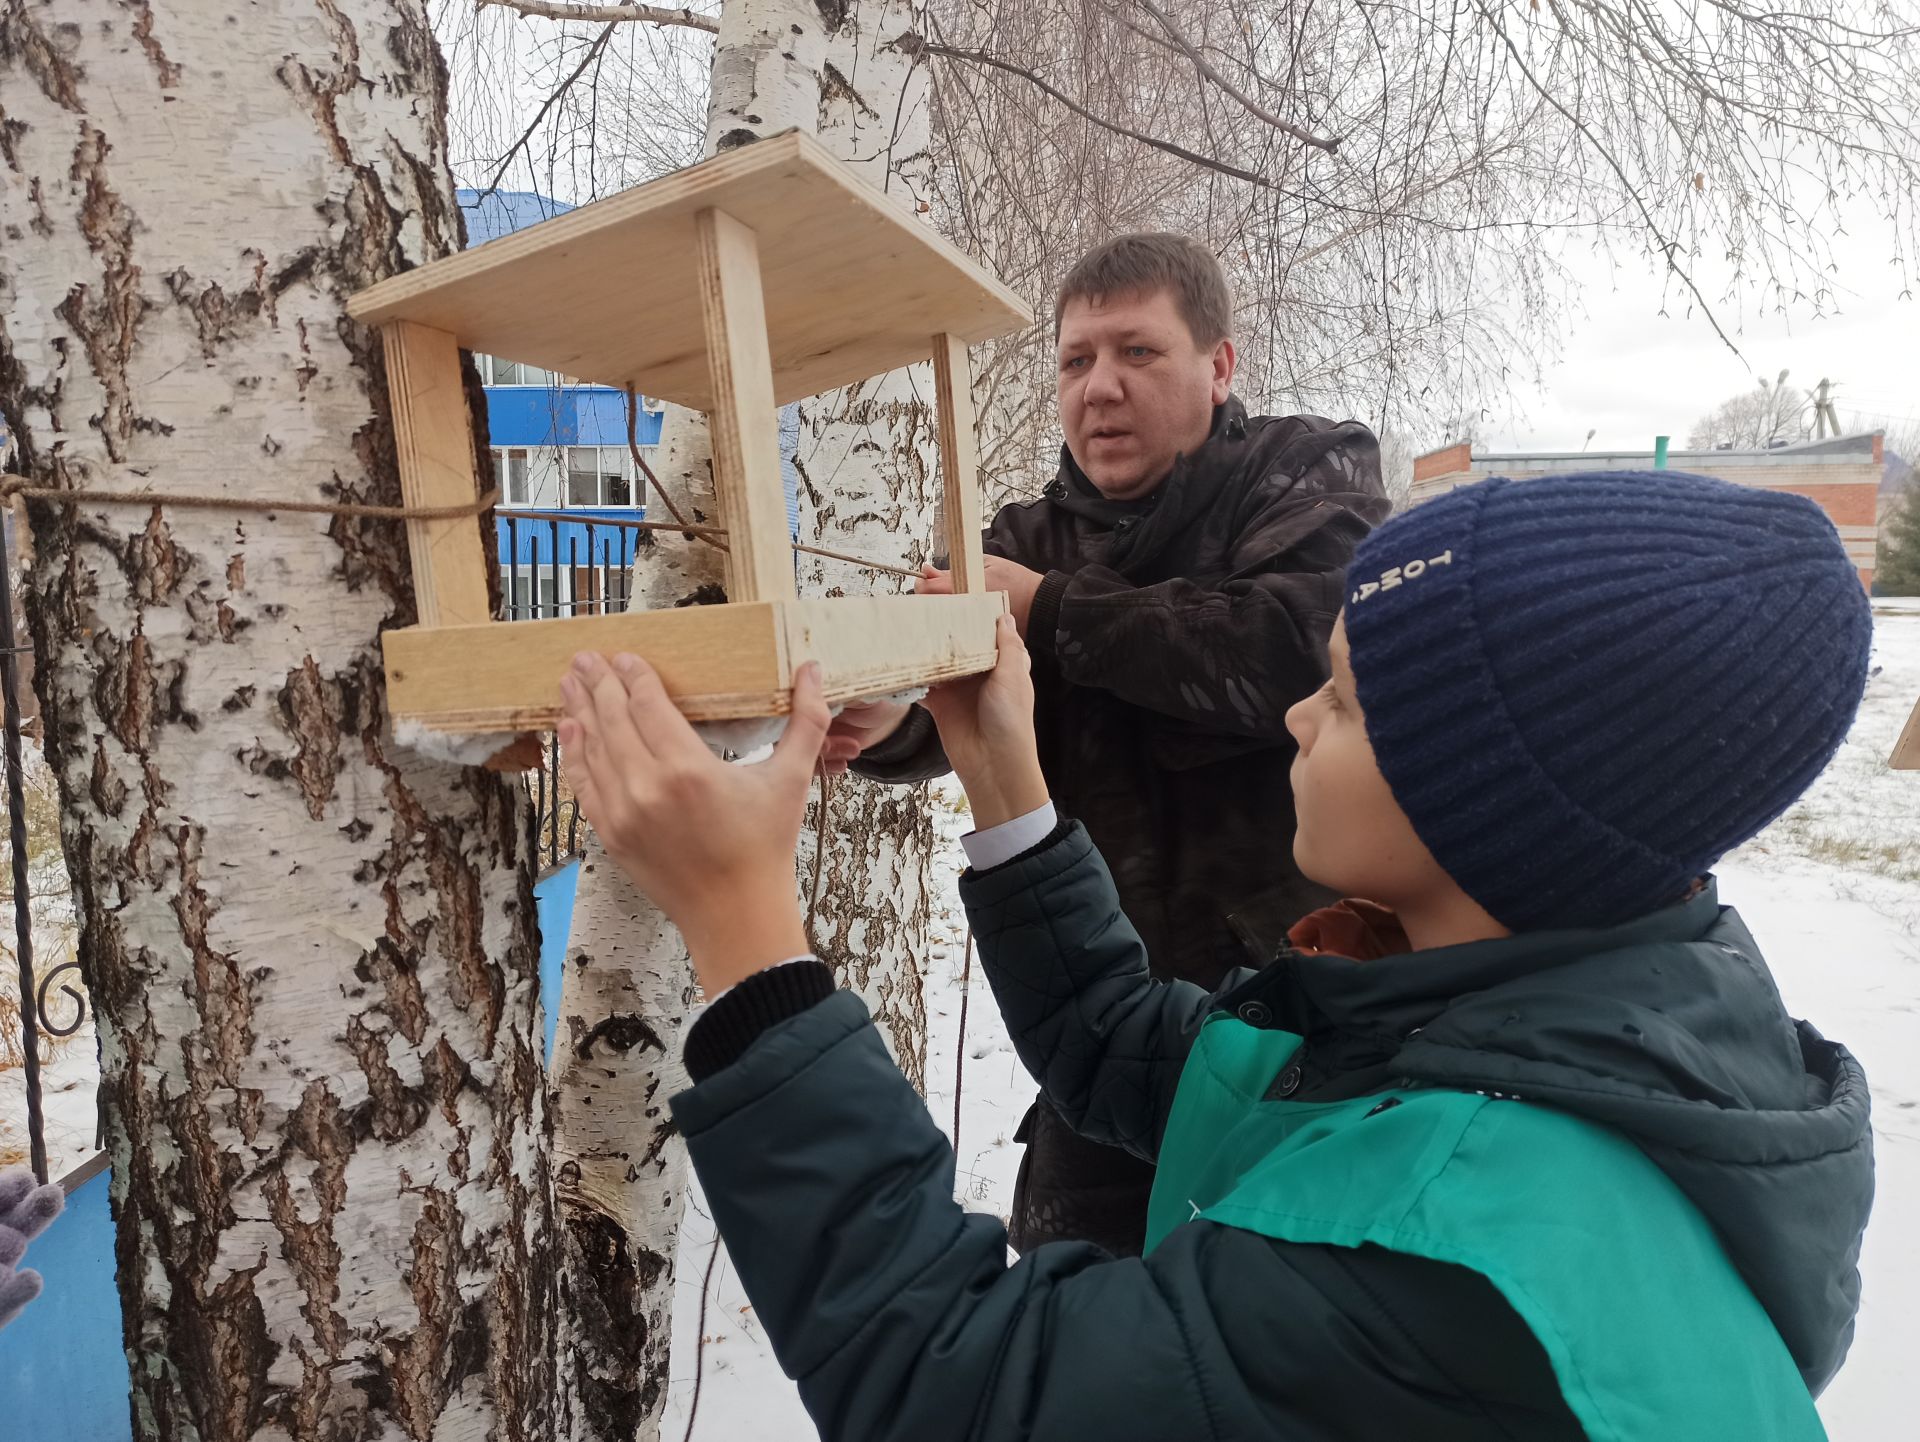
pixel 1572 1184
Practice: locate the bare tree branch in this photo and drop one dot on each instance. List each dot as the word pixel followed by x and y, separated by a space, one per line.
pixel 1205 67
pixel 1192 157
pixel 599 14
pixel 593 53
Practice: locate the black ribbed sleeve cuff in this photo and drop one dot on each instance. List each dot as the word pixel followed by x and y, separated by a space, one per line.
pixel 763 1000
pixel 1043 618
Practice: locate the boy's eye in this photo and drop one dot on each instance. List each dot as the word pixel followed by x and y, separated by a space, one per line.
pixel 1139 352
pixel 1073 362
pixel 1330 695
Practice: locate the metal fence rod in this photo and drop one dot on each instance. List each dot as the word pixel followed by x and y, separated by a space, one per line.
pixel 22 898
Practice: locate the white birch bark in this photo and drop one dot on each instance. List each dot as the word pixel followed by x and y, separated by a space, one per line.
pixel 312 952
pixel 869 481
pixel 621 1169
pixel 620 1166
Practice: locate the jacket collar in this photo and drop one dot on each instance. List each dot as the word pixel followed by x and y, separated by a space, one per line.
pixel 1399 991
pixel 1072 491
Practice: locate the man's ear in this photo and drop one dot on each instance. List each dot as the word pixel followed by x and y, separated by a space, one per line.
pixel 1224 358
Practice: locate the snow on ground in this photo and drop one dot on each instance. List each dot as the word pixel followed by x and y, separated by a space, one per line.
pixel 69 1074
pixel 1832 892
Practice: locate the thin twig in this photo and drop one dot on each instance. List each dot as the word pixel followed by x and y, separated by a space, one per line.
pixel 633 445
pixel 593 52
pixel 980 57
pixel 648 14
pixel 819 857
pixel 700 1349
pixel 960 1053
pixel 1201 64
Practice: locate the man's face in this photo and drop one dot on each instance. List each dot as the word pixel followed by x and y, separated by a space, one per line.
pixel 1136 389
pixel 1352 834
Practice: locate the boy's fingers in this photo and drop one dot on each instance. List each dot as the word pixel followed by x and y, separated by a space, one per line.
pixel 667 734
pixel 612 739
pixel 581 773
pixel 799 745
pixel 584 754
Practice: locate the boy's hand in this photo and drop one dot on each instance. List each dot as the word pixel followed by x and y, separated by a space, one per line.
pixel 986 728
pixel 712 843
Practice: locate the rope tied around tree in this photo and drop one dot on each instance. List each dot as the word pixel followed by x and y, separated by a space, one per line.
pixel 12 485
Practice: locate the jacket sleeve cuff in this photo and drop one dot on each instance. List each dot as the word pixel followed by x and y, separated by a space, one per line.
pixel 1043 617
pixel 735 1021
pixel 1065 847
pixel 912 753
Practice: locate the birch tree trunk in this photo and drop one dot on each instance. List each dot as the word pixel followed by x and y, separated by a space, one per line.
pixel 867 472
pixel 312 952
pixel 869 481
pixel 621 1168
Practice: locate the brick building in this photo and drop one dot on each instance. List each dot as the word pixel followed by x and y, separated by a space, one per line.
pixel 1843 476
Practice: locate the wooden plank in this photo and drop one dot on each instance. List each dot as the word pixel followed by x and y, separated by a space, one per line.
pixel 743 423
pixel 874 645
pixel 719 662
pixel 607 293
pixel 959 462
pixel 433 439
pixel 1906 751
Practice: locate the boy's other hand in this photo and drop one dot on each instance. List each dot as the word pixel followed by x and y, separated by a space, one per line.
pixel 986 728
pixel 711 842
pixel 856 729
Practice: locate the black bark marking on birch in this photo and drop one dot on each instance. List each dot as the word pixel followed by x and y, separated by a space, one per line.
pixel 394 1110
pixel 420 1387
pixel 835 87
pixel 107 325
pixel 164 69
pixel 606 1295
pixel 654 1154
pixel 833 14
pixel 107 790
pixel 311 715
pixel 226 1001
pixel 623 1031
pixel 45 59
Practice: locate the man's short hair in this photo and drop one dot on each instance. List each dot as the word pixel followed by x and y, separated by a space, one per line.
pixel 1147 261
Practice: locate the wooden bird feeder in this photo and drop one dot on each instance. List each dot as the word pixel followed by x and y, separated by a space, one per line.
pixel 1906 751
pixel 735 286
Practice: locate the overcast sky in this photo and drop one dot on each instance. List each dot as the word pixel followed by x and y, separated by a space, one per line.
pixel 1630 373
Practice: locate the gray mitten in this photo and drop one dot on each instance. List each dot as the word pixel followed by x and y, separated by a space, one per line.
pixel 25 1211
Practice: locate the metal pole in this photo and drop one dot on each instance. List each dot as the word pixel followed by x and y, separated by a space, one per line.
pixel 22 899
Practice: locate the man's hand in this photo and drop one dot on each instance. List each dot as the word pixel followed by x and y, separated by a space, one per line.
pixel 1002 575
pixel 986 727
pixel 712 843
pixel 857 729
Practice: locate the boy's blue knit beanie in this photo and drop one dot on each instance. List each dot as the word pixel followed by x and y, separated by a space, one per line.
pixel 1584 690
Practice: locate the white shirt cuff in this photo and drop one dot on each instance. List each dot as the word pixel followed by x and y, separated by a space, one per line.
pixel 1000 844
